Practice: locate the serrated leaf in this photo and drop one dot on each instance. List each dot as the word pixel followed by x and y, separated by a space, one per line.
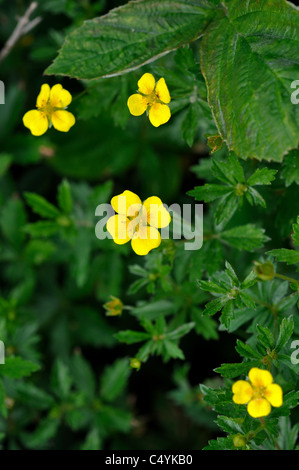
pixel 41 206
pixel 209 192
pixel 262 176
pixel 131 337
pixel 233 370
pixel 246 351
pixel 130 36
pixel 15 367
pixel 114 379
pixel 265 336
pixel 290 169
pixel 245 237
pixel 227 314
pixel 215 305
pixel 65 201
pixel 285 332
pixel 173 350
pixel 284 255
pixel 252 108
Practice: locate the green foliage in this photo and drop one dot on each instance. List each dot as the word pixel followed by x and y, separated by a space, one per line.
pixel 156 372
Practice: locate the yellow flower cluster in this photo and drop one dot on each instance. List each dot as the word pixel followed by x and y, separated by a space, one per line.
pixel 259 393
pixel 137 222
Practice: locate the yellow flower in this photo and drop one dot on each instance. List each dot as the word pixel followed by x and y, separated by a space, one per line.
pixel 259 394
pixel 137 221
pixel 51 104
pixel 152 97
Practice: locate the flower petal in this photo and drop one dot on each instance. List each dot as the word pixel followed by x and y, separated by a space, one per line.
pixel 137 104
pixel 146 84
pixel 59 97
pixel 159 114
pixel 273 394
pixel 125 202
pixel 157 215
pixel 162 91
pixel 258 407
pixel 260 377
pixel 36 121
pixel 146 239
pixel 43 96
pixel 63 120
pixel 117 227
pixel 242 391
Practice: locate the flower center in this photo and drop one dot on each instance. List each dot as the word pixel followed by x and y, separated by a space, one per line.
pixel 138 220
pixel 258 392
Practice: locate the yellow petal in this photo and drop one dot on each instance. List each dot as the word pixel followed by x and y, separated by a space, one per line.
pixel 260 377
pixel 137 104
pixel 146 84
pixel 36 121
pixel 273 394
pixel 126 203
pixel 59 97
pixel 157 215
pixel 159 114
pixel 258 407
pixel 146 239
pixel 117 227
pixel 162 91
pixel 43 96
pixel 63 120
pixel 242 391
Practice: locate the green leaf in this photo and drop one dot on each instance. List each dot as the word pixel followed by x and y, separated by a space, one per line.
pixel 221 443
pixel 265 336
pixel 229 171
pixel 285 332
pixel 211 286
pixel 190 123
pixel 246 351
pixel 131 337
pixel 42 228
pixel 15 367
pixel 295 235
pixel 209 192
pixel 5 161
pixel 262 176
pixel 61 380
pixel 231 273
pixel 41 206
pixel 172 350
pixel 229 425
pixel 114 379
pixel 290 169
pixel 252 107
pixel 226 208
pixel 64 197
pixel 245 237
pixel 3 407
pixel 180 331
pixel 233 370
pixel 284 255
pixel 130 36
pixel 227 313
pixel 215 305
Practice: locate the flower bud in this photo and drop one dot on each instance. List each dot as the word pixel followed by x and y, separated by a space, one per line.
pixel 114 307
pixel 264 271
pixel 239 440
pixel 135 363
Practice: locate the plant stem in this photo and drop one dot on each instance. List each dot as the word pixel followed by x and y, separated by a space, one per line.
pixel 286 278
